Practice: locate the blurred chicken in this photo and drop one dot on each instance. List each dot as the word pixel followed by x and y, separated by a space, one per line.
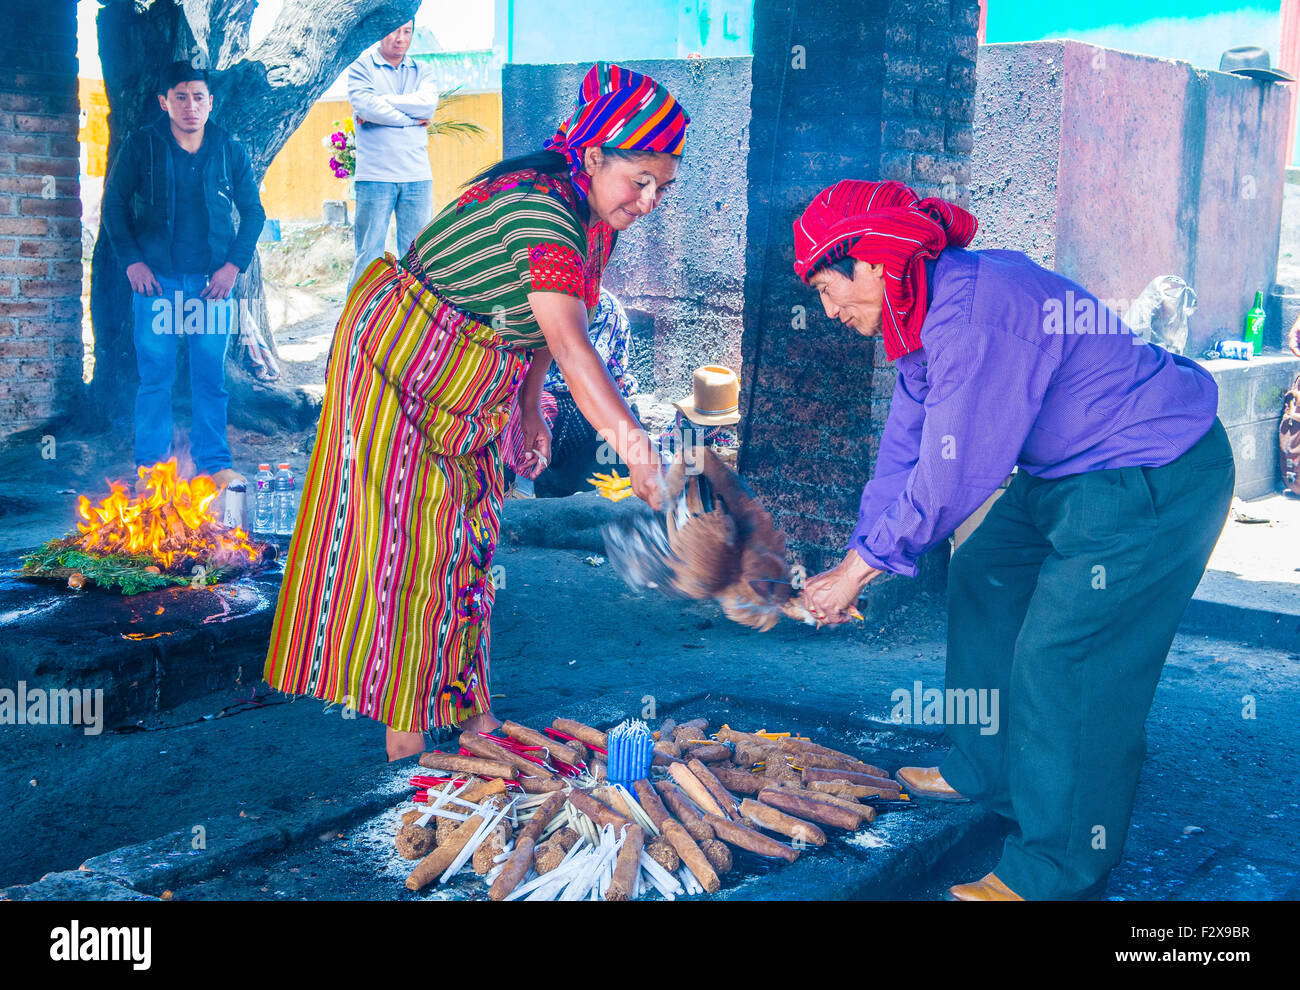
pixel 712 540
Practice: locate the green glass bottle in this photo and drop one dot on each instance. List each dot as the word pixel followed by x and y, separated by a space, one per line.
pixel 1254 334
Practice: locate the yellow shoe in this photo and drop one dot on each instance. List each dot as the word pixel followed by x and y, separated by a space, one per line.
pixel 988 888
pixel 926 782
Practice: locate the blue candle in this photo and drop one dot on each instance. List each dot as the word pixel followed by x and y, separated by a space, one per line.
pixel 629 751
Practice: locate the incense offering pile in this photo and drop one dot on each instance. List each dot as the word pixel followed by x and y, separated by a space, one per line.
pixel 535 816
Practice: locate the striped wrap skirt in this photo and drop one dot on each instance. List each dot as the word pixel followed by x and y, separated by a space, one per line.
pixel 387 588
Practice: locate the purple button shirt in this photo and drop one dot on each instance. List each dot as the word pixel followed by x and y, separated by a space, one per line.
pixel 1018 366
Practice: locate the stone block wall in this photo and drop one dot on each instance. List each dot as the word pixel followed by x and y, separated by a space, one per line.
pixel 1115 168
pixel 680 270
pixel 840 90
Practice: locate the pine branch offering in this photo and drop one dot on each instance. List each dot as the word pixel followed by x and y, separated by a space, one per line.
pixel 167 537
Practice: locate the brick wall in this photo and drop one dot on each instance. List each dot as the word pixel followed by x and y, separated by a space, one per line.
pixel 841 89
pixel 40 214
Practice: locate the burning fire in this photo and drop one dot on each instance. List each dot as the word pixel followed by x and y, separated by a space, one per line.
pixel 170 520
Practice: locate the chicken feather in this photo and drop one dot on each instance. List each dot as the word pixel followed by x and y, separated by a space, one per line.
pixel 711 540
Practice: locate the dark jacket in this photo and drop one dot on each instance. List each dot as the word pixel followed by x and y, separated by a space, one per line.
pixel 139 202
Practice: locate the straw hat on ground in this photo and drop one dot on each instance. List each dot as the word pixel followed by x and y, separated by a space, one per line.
pixel 714 399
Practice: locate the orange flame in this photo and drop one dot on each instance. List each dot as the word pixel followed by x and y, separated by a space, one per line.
pixel 170 520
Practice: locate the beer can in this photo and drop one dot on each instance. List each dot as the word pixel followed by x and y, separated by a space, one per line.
pixel 1238 350
pixel 235 506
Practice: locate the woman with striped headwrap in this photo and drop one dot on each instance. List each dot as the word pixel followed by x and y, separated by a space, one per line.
pixel 1063 603
pixel 387 590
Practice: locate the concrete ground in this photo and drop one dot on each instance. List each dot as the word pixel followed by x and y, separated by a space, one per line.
pixel 1215 818
pixel 1256 563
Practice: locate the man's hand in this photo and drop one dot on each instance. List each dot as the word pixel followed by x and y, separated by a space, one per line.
pixel 830 595
pixel 221 282
pixel 1293 338
pixel 142 279
pixel 423 123
pixel 357 118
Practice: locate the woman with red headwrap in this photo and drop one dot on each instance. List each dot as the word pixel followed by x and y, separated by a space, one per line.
pixel 1063 603
pixel 387 592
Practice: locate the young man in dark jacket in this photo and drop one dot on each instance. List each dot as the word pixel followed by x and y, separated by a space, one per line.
pixel 182 212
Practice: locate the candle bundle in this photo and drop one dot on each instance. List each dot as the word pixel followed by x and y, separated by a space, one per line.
pixel 522 810
pixel 630 749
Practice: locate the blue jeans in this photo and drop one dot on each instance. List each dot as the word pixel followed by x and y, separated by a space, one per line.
pixel 376 203
pixel 208 324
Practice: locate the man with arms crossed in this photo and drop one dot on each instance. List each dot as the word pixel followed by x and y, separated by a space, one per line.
pixel 392 100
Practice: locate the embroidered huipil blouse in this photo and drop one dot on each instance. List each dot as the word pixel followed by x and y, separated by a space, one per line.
pixel 501 240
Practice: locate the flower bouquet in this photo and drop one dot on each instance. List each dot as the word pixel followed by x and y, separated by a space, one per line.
pixel 343 149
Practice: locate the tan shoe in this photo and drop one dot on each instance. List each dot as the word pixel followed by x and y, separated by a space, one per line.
pixel 988 888
pixel 926 782
pixel 226 477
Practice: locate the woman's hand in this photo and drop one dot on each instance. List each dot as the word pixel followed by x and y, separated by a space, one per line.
pixel 537 441
pixel 831 594
pixel 563 320
pixel 645 471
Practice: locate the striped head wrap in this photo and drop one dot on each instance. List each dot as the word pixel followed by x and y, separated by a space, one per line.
pixel 619 108
pixel 883 223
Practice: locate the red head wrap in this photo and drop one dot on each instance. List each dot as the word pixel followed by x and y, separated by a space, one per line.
pixel 883 223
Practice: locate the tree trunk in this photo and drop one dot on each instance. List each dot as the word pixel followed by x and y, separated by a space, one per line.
pixel 261 96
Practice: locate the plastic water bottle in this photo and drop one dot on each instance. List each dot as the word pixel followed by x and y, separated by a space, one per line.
pixel 263 509
pixel 286 502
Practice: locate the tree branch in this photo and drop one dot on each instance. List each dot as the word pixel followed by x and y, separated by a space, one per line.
pixel 265 96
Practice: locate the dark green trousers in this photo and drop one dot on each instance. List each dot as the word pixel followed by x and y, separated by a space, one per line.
pixel 1065 601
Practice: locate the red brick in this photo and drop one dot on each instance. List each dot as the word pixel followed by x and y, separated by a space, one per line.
pixel 66 146
pixel 28 267
pixel 45 165
pixel 29 184
pixel 35 328
pixel 16 103
pixel 26 389
pixel 68 309
pixel 8 328
pixel 38 309
pixel 25 144
pixel 67 270
pixel 16 348
pixel 40 85
pixel 8 370
pixel 62 207
pixel 61 247
pixel 44 123
pixel 40 371
pixel 24 226
pixel 46 288
pixel 69 348
pixel 66 229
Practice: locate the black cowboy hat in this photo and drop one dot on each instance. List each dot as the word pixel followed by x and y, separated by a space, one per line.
pixel 1252 61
